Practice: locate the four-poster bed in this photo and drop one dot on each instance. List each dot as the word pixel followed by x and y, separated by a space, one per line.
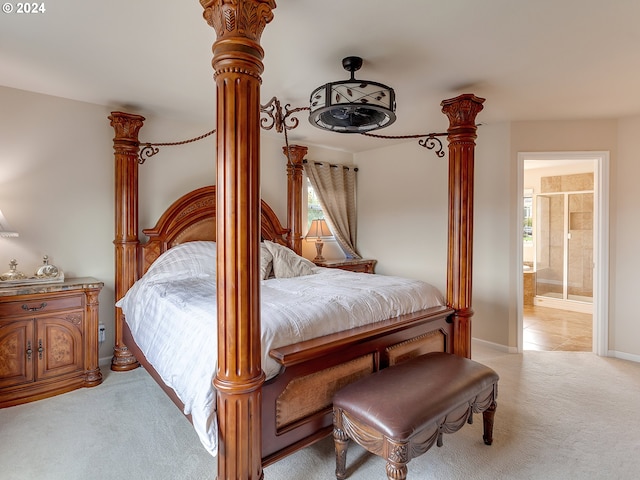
pixel 260 421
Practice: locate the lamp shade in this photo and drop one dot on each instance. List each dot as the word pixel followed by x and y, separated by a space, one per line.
pixel 318 229
pixel 352 106
pixel 5 228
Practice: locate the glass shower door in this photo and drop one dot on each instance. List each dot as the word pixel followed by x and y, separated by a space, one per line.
pixel 550 245
pixel 564 246
pixel 580 248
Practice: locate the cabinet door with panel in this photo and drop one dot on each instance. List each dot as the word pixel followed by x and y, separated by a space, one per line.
pixel 16 353
pixel 48 340
pixel 59 344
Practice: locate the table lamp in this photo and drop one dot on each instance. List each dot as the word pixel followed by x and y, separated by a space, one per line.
pixel 317 230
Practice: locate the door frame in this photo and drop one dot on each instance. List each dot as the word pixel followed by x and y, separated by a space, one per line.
pixel 600 333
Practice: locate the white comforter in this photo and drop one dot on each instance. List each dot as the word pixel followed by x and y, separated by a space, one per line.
pixel 171 312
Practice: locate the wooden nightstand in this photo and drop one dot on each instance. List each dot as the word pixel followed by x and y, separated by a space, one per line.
pixel 48 339
pixel 352 264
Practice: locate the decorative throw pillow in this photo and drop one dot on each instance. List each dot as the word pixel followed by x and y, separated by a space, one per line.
pixel 266 262
pixel 286 263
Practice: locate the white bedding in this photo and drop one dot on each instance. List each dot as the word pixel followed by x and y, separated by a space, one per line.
pixel 171 312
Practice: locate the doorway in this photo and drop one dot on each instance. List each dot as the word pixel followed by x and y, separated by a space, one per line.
pixel 563 246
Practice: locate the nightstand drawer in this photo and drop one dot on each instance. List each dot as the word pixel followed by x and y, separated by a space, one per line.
pixel 40 305
pixel 359 267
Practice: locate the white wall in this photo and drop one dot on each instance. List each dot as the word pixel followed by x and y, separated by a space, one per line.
pixel 624 331
pixel 175 170
pixel 403 221
pixel 56 187
pixel 494 236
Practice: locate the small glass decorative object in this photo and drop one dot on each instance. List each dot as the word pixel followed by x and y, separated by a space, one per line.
pixel 13 273
pixel 47 270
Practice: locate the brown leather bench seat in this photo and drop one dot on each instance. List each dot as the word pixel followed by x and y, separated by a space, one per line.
pixel 401 411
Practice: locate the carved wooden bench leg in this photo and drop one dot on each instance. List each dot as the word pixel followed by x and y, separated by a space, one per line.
pixel 396 472
pixel 341 441
pixel 397 460
pixel 487 422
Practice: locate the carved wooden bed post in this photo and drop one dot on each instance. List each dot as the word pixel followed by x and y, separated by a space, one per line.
pixel 461 112
pixel 294 195
pixel 125 145
pixel 237 64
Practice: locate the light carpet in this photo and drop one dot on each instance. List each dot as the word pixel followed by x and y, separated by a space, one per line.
pixel 561 415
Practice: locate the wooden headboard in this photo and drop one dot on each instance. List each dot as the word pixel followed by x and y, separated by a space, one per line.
pixel 193 217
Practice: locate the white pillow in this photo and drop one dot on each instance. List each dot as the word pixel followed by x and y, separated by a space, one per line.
pixel 187 260
pixel 286 263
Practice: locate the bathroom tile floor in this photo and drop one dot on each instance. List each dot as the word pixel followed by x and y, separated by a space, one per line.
pixel 548 329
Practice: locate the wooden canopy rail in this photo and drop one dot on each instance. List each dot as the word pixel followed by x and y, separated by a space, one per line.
pixel 237 63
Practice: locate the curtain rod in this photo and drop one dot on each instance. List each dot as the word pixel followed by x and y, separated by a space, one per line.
pixel 355 169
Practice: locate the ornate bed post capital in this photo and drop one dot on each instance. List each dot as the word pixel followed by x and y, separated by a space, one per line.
pixel 126 127
pixel 240 18
pixel 296 154
pixel 239 25
pixel 461 111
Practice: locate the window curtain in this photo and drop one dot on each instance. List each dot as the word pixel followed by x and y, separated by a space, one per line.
pixel 335 186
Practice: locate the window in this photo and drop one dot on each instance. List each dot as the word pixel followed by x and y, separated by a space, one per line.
pixel 314 210
pixel 527 222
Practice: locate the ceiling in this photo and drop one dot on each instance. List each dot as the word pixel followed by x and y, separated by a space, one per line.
pixel 531 60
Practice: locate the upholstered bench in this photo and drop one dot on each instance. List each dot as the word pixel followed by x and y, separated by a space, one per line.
pixel 399 413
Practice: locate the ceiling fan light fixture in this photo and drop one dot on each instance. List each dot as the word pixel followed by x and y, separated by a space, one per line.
pixel 352 106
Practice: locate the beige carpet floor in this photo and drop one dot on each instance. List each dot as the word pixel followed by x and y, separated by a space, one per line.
pixel 561 415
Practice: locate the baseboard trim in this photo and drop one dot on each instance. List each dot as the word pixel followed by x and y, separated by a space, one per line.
pixel 105 361
pixel 624 356
pixel 495 346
